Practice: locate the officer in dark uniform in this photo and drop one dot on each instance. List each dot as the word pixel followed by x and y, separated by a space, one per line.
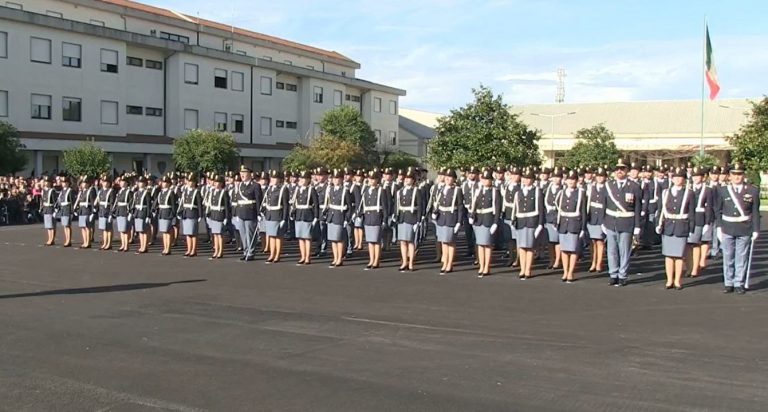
pixel 276 213
pixel 191 213
pixel 448 215
pixel 408 212
pixel 218 214
pixel 337 215
pixel 321 230
pixel 48 210
pixel 622 222
pixel 65 205
pixel 485 213
pixel 105 202
pixel 509 189
pixel 571 205
pixel 142 208
pixel 248 195
pixel 596 218
pixel 165 210
pixel 551 193
pixel 528 220
pixel 305 212
pixel 123 211
pixel 703 217
pixel 468 188
pixel 431 209
pixel 676 223
pixel 376 210
pixel 85 211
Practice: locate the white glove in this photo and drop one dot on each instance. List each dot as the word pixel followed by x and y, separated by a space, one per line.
pixel 456 228
pixel 146 220
pixel 754 235
pixel 314 221
pixel 199 219
pixel 130 216
pixel 539 228
pixel 658 230
pixel 720 234
pixel 581 234
pixel 90 217
pixel 416 228
pixel 494 228
pixel 604 229
pixel 471 221
pixel 225 222
pixel 109 220
pixel 345 224
pixel 642 213
pixel 434 216
pixel 636 231
pixel 705 229
pixel 282 223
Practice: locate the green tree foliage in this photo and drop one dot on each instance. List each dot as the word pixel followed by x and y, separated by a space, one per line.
pixel 751 141
pixel 397 160
pixel 483 133
pixel 705 160
pixel 346 123
pixel 205 151
pixel 329 151
pixel 595 146
pixel 88 159
pixel 12 156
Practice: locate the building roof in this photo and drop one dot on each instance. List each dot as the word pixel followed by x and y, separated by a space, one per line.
pixel 419 123
pixel 219 26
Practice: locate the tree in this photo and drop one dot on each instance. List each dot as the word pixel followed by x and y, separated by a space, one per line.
pixel 751 141
pixel 88 159
pixel 595 146
pixel 705 160
pixel 346 123
pixel 12 156
pixel 205 151
pixel 328 151
pixel 397 159
pixel 483 133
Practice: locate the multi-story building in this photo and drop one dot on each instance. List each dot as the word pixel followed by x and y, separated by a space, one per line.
pixel 132 77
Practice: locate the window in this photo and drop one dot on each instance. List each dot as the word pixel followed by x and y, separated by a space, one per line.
pixel 291 87
pixel 174 37
pixel 54 14
pixel 288 62
pixel 353 98
pixel 41 106
pixel 134 110
pixel 337 97
pixel 108 61
pixel 3 103
pixel 108 112
pixel 238 81
pixel 3 44
pixel 241 52
pixel 279 85
pixel 377 104
pixel 237 123
pixel 290 125
pixel 71 109
pixel 153 111
pixel 190 119
pixel 39 50
pixel 392 107
pixel 98 23
pixel 190 73
pixel 134 61
pixel 393 138
pixel 266 126
pixel 377 133
pixel 266 85
pixel 153 64
pixel 279 123
pixel 13 5
pixel 220 121
pixel 310 67
pixel 220 78
pixel 70 55
pixel 343 74
pixel 318 95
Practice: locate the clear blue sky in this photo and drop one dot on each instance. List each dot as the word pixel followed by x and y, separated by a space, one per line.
pixel 438 50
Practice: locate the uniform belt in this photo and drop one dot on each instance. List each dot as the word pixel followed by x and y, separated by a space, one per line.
pixel 246 202
pixel 483 211
pixel 617 213
pixel 303 207
pixel 274 207
pixel 653 200
pixel 570 214
pixel 736 219
pixel 676 216
pixel 408 209
pixel 122 203
pixel 64 203
pixel 47 204
pixel 596 205
pixel 337 207
pixel 189 206
pixel 700 210
pixel 449 209
pixel 527 214
pixel 141 207
pixel 235 203
pixel 164 206
pixel 83 204
pixel 372 208
pixel 216 208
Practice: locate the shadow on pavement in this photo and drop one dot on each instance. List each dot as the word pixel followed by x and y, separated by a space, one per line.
pixel 98 289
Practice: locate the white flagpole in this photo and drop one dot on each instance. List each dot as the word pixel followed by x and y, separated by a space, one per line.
pixel 703 81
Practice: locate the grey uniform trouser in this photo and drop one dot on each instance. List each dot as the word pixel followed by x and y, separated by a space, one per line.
pixel 715 245
pixel 322 241
pixel 247 228
pixel 619 250
pixel 735 259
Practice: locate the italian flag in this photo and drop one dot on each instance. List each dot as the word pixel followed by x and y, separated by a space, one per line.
pixel 709 69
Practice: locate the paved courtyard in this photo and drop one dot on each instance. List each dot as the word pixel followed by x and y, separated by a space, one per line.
pixel 86 330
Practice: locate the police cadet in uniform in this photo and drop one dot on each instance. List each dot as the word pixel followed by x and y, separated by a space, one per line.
pixel 276 212
pixel 218 214
pixel 551 193
pixel 596 218
pixel 737 211
pixel 123 212
pixel 358 187
pixel 485 214
pixel 291 182
pixel 165 209
pixel 84 210
pixel 714 185
pixel 509 189
pixel 528 220
pixel 191 211
pixel 703 217
pixel 408 213
pixel 571 204
pixel 390 187
pixel 431 209
pixel 105 202
pixel 676 224
pixel 142 204
pixel 375 208
pixel 337 216
pixel 65 206
pixel 468 188
pixel 622 222
pixel 248 195
pixel 48 209
pixel 448 215
pixel 305 211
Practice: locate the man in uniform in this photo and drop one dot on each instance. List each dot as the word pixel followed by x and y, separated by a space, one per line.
pixel 321 186
pixel 249 196
pixel 623 199
pixel 468 189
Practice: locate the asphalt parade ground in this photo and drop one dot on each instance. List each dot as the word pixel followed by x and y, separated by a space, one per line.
pixel 89 330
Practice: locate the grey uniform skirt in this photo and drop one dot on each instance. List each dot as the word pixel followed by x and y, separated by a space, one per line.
pixel 483 236
pixel 695 237
pixel 189 227
pixel 359 222
pixel 525 237
pixel 215 226
pixel 595 232
pixel 552 235
pixel 138 225
pixel 335 232
pixel 84 221
pixel 272 228
pixel 122 224
pixel 303 230
pixel 372 234
pixel 444 234
pixel 405 232
pixel 66 220
pixel 105 224
pixel 163 225
pixel 48 221
pixel 569 242
pixel 673 246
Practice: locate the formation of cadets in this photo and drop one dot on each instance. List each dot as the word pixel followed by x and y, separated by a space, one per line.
pixel 568 215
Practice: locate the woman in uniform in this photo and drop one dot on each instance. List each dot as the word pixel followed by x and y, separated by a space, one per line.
pixel 105 204
pixel 509 188
pixel 484 215
pixel 448 215
pixel 571 223
pixel 358 187
pixel 337 215
pixel 676 223
pixel 85 211
pixel 375 209
pixel 698 242
pixel 306 212
pixel 122 211
pixel 408 213
pixel 552 191
pixel 47 209
pixel 595 218
pixel 261 225
pixel 66 204
pixel 276 213
pixel 191 207
pixel 218 214
pixel 528 219
pixel 165 208
pixel 142 207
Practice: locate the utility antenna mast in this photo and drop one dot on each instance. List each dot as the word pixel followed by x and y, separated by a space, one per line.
pixel 560 96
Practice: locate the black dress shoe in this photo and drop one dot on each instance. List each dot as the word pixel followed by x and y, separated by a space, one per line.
pixel 740 290
pixel 242 257
pixel 563 280
pixel 679 287
pixel 728 289
pixel 668 287
pixel 622 283
pixel 613 282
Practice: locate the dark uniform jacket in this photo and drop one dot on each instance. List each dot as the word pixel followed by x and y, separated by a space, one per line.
pixel 677 208
pixel 571 211
pixel 376 206
pixel 550 197
pixel 249 197
pixel 486 209
pixel 705 213
pixel 106 201
pixel 48 200
pixel 339 206
pixel 123 202
pixel 508 207
pixel 218 204
pixel 85 201
pixel 66 201
pixel 596 204
pixel 142 202
pixel 449 206
pixel 529 208
pixel 738 212
pixel 623 206
pixel 409 205
pixel 165 204
pixel 277 203
pixel 191 204
pixel 306 205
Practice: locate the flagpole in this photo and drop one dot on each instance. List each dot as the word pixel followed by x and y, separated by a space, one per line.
pixel 703 81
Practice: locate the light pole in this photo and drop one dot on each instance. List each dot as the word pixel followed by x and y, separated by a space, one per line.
pixel 552 119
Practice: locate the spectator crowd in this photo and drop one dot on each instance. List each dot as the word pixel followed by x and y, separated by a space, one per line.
pixel 20 200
